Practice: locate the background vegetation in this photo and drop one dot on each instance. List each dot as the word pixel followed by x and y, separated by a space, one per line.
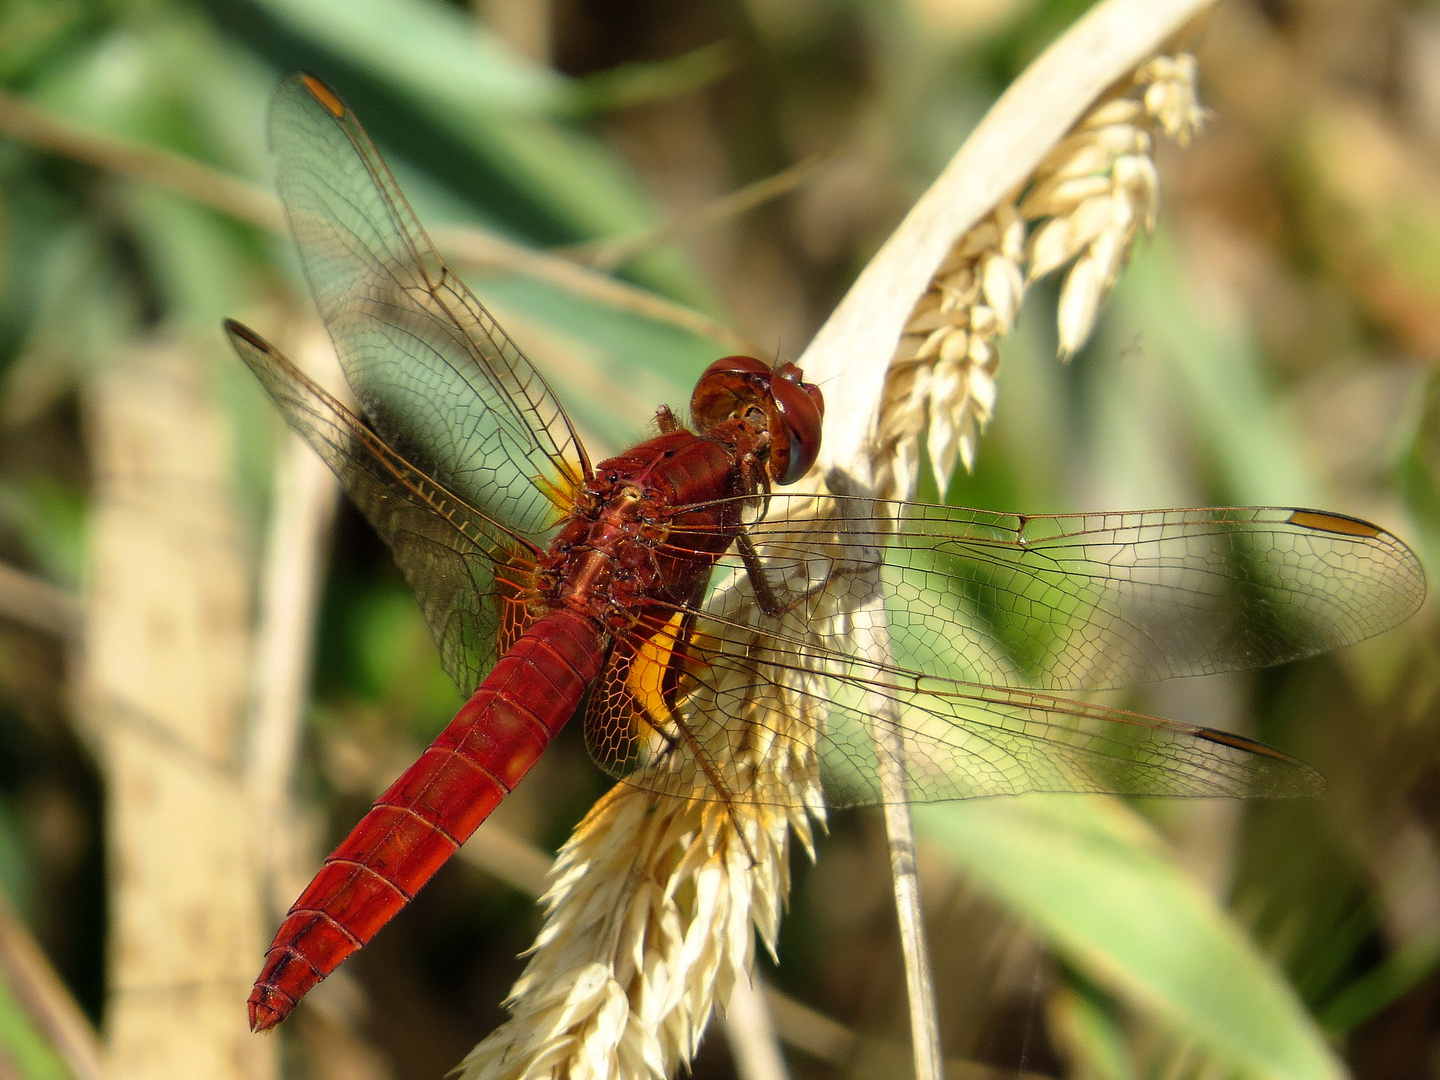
pixel 1275 342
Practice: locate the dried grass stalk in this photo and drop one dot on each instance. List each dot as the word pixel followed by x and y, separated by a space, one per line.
pixel 163 693
pixel 651 916
pixel 1084 204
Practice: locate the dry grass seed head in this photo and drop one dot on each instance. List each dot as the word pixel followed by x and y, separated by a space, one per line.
pixel 654 905
pixel 650 922
pixel 943 376
pixel 1098 189
pixel 1089 198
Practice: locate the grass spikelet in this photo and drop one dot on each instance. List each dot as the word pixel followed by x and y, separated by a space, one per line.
pixel 1096 191
pixel 649 923
pixel 943 375
pixel 1082 207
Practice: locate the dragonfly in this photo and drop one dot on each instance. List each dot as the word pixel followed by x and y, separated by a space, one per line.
pixel 701 620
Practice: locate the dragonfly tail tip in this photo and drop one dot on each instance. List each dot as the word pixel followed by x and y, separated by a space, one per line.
pixel 267 1008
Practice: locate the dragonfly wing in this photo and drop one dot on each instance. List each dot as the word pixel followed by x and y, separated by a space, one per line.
pixel 970 742
pixel 432 371
pixel 466 570
pixel 1090 601
pixel 936 633
pixel 757 718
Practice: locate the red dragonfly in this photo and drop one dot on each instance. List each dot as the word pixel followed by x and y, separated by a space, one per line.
pixel 691 601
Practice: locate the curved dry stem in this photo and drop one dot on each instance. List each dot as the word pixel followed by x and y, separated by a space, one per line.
pixel 649 920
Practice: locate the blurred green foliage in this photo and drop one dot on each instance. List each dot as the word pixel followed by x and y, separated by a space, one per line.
pixel 1275 343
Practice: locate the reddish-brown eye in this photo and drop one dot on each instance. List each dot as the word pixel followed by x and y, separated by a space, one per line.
pixel 801 410
pixel 793 372
pixel 726 386
pixel 746 365
pixel 794 409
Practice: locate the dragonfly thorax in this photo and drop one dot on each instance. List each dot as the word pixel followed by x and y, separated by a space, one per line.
pixel 649 528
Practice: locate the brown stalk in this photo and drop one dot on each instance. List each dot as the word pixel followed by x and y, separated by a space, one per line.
pixel 609 254
pixel 162 692
pixel 853 349
pixel 41 606
pixel 46 1000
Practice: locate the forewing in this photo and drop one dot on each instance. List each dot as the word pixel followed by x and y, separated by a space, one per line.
pixel 1090 601
pixel 963 743
pixel 466 570
pixel 432 371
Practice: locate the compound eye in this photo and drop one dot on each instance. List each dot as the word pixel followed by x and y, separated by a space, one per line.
pixel 800 410
pixel 740 365
pixel 726 388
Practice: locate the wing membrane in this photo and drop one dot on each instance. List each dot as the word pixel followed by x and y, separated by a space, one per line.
pixel 810 716
pixel 944 625
pixel 1094 601
pixel 464 568
pixel 432 371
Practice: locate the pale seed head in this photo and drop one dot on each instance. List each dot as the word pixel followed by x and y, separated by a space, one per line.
pixel 655 903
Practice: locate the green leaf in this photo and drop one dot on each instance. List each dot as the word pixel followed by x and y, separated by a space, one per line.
pixel 195 258
pixel 1393 978
pixel 432 50
pixel 1215 377
pixel 1083 1025
pixel 490 100
pixel 24 1051
pixel 1097 883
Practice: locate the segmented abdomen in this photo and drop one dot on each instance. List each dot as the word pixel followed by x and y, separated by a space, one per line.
pixel 432 809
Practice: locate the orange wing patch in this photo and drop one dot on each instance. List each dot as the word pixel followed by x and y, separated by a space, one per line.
pixel 654 672
pixel 563 492
pixel 324 95
pixel 631 715
pixel 1334 523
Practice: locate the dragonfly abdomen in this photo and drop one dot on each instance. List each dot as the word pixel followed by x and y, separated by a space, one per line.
pixel 432 808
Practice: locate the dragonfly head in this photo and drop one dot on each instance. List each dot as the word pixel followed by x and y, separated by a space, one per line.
pixel 740 398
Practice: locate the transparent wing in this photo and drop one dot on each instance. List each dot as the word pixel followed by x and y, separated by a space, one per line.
pixel 938 629
pixel 955 742
pixel 1092 601
pixel 432 371
pixel 466 569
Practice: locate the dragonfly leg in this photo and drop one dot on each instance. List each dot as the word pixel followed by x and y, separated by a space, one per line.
pixel 765 595
pixel 717 782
